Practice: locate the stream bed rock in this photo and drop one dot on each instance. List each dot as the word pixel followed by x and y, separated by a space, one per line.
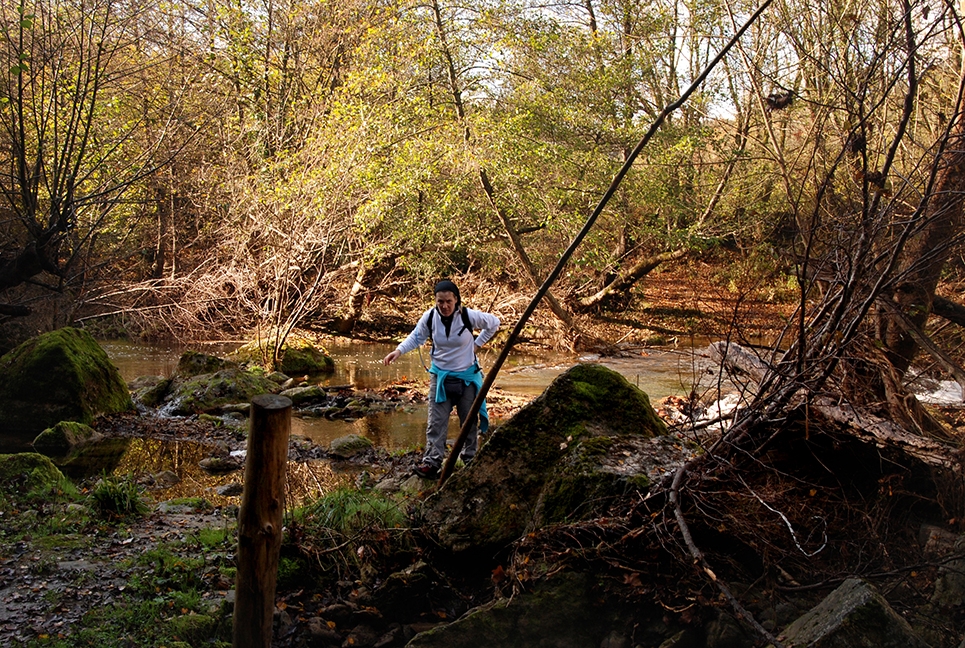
pixel 63 375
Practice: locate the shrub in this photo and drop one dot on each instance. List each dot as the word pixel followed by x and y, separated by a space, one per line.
pixel 350 529
pixel 118 497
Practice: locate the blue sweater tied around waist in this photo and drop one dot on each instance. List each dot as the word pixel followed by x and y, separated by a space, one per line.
pixel 470 376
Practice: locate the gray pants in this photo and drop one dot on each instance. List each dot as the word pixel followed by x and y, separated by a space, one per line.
pixel 437 428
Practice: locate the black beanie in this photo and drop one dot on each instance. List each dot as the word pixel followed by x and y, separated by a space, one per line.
pixel 447 286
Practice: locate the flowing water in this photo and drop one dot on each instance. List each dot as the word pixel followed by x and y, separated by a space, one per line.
pixel 659 373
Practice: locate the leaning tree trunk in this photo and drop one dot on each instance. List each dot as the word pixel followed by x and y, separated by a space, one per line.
pixel 625 281
pixel 926 255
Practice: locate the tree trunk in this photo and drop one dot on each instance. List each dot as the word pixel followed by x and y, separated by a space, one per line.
pixel 620 286
pixel 260 521
pixel 927 253
pixel 369 273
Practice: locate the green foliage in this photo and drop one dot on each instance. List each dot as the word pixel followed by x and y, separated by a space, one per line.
pixel 349 511
pixel 29 477
pixel 162 604
pixel 349 529
pixel 118 497
pixel 292 572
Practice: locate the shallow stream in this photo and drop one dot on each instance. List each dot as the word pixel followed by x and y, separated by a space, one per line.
pixel 659 373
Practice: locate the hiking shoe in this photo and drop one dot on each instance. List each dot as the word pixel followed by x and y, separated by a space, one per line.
pixel 426 471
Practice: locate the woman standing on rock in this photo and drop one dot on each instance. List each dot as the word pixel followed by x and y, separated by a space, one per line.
pixel 454 375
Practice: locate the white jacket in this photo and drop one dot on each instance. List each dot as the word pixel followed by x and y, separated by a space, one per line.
pixel 456 351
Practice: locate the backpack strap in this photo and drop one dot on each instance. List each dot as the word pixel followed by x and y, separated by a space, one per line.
pixel 466 324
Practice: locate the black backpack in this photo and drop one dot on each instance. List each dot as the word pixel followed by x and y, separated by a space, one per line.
pixel 466 324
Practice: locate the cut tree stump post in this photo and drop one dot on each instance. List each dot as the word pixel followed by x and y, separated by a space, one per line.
pixel 260 520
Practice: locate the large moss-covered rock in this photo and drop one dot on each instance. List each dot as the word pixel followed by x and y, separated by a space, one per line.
pixel 209 392
pixel 66 436
pixel 562 612
pixel 59 376
pixel 855 614
pixel 561 458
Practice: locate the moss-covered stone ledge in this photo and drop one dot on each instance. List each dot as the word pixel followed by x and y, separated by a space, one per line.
pixel 561 458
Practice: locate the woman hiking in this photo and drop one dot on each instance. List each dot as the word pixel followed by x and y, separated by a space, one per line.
pixel 454 374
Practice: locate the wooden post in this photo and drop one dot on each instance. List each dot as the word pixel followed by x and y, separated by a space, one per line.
pixel 260 520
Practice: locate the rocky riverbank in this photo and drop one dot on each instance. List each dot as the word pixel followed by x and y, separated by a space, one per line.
pixel 584 520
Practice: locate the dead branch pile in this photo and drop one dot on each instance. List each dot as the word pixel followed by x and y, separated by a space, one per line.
pixel 786 504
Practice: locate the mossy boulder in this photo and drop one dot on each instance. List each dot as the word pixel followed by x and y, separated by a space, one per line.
pixel 349 445
pixel 63 438
pixel 27 474
pixel 194 363
pixel 63 375
pixel 562 612
pixel 150 391
pixel 299 355
pixel 209 392
pixel 561 458
pixel 305 395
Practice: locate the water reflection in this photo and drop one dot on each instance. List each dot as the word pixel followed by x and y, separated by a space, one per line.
pixel 395 431
pixel 147 458
pixel 358 364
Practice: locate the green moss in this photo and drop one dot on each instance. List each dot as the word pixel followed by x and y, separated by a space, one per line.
pixel 639 482
pixel 58 440
pixel 300 355
pixel 292 572
pixel 544 464
pixel 30 476
pixel 192 628
pixel 212 537
pixel 195 503
pixel 587 400
pixel 194 363
pixel 208 392
pixel 59 376
pixel 578 488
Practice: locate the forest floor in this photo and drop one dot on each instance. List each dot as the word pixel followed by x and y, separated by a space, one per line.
pixel 66 576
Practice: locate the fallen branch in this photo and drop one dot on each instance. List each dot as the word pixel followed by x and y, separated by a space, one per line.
pixel 701 560
pixel 909 327
pixel 885 434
